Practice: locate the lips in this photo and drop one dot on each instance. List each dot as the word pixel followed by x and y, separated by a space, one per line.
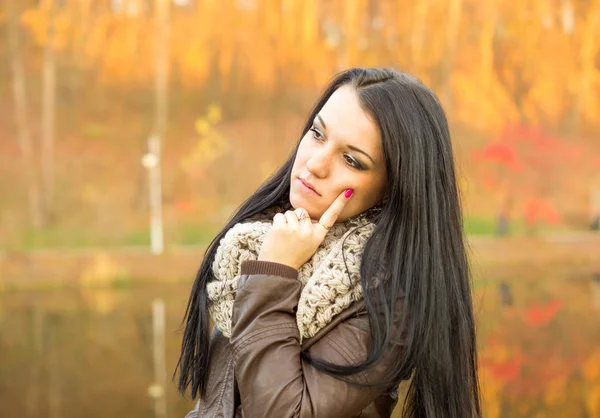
pixel 310 186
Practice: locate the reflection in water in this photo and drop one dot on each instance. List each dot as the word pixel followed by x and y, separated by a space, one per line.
pixel 595 284
pixel 72 351
pixel 37 334
pixel 90 350
pixel 536 356
pixel 505 294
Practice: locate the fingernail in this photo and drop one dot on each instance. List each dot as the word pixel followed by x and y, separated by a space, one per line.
pixel 348 193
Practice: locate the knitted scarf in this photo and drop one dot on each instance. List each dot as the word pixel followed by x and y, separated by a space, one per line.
pixel 330 279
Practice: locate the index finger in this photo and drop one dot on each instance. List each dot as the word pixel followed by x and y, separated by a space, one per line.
pixel 333 212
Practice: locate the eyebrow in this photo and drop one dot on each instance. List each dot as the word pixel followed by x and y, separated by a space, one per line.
pixel 353 148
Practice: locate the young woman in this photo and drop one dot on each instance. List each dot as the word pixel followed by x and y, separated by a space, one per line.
pixel 344 274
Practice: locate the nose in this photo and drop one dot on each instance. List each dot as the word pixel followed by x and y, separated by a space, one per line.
pixel 318 164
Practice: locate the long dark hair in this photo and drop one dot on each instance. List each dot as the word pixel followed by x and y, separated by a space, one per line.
pixel 420 234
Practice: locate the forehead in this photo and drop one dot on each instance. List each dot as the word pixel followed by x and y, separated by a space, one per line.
pixel 348 122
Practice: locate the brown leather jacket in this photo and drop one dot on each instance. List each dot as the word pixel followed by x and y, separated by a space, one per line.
pixel 258 372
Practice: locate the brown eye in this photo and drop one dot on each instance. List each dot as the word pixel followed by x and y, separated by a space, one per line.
pixel 352 162
pixel 316 134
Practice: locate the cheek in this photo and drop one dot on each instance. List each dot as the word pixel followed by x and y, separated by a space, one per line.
pixel 369 192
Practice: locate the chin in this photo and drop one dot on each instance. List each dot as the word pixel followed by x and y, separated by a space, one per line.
pixel 298 202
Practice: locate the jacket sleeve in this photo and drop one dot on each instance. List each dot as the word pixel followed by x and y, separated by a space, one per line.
pixel 272 378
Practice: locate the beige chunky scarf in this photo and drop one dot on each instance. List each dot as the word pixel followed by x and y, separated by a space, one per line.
pixel 328 287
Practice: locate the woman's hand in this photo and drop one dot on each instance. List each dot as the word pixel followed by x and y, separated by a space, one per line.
pixel 294 238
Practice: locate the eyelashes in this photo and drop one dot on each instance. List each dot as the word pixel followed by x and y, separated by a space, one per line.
pixel 316 133
pixel 349 160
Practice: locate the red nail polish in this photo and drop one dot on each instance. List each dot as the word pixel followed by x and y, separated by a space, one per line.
pixel 348 193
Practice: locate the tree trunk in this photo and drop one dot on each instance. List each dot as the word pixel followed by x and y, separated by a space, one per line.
pixel 35 365
pixel 162 66
pixel 160 122
pixel 53 366
pixel 159 357
pixel 586 58
pixel 486 47
pixel 23 133
pixel 454 14
pixel 48 116
pixel 417 38
pixel 81 12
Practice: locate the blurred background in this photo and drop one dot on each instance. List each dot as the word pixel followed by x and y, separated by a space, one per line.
pixel 131 129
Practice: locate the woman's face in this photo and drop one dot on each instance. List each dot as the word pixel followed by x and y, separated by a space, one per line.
pixel 342 150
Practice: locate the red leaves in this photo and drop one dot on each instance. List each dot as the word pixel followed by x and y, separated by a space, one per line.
pixel 538 315
pixel 501 153
pixel 514 356
pixel 537 209
pixel 524 147
pixel 528 166
pixel 508 370
pixel 501 362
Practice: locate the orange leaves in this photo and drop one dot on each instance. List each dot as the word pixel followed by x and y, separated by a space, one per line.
pixel 193 63
pixel 591 373
pixel 593 402
pixel 190 45
pixel 592 367
pixel 540 354
pixel 556 391
pixel 487 53
pixel 36 20
pixel 98 35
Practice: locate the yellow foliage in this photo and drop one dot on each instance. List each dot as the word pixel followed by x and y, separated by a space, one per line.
pixel 193 63
pixel 489 104
pixel 90 194
pixel 591 103
pixel 490 394
pixel 37 20
pixel 499 353
pixel 95 280
pixel 101 271
pixel 555 392
pixel 548 94
pixel 206 150
pixel 509 58
pixel 202 126
pixel 591 368
pixel 210 146
pixel 213 115
pixel 97 37
pixel 593 402
pixel 102 301
pixel 309 23
pixel 263 74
